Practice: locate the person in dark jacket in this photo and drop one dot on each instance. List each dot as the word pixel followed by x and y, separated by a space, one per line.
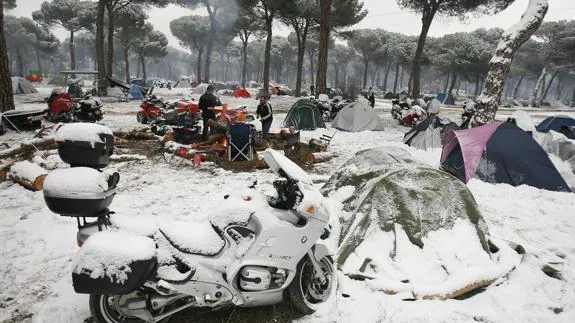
pixel 265 114
pixel 372 100
pixel 208 100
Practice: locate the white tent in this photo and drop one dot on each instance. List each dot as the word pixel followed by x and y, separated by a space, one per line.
pixel 356 117
pixel 22 86
pixel 200 89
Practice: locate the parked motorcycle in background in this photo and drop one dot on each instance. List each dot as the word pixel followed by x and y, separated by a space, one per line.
pixel 61 108
pixel 252 250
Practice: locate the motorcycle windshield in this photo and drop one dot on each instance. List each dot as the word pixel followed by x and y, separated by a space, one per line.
pixel 284 167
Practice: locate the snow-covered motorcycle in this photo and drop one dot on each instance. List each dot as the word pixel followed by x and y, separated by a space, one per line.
pixel 253 250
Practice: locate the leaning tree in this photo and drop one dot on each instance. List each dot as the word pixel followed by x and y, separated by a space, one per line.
pixel 6 95
pixel 430 8
pixel 500 64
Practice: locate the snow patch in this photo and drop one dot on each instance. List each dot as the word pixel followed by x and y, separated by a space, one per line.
pixel 28 170
pixel 88 132
pixel 193 237
pixel 76 182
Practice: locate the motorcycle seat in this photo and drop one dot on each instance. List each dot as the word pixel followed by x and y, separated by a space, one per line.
pixel 198 238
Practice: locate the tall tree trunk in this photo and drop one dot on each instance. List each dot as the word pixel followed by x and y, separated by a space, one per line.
pixel 451 86
pixel 415 78
pixel 516 91
pixel 199 67
pixel 537 89
pixel 397 67
pixel 386 76
pixel 573 97
pixel 365 67
pixel 446 87
pixel 127 64
pixel 110 58
pixel 39 62
pixel 301 40
pixel 336 76
pixel 558 89
pixel 401 79
pixel 410 83
pixel 312 57
pixel 546 92
pixel 100 52
pixel 143 62
pixel 324 29
pixel 20 63
pixel 500 64
pixel 244 62
pixel 6 95
pixel 210 42
pixel 267 55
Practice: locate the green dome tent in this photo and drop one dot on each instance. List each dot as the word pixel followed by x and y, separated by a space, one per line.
pixel 419 228
pixel 304 115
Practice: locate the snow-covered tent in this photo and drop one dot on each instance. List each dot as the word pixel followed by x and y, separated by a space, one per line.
pixel 22 86
pixel 430 133
pixel 304 115
pixel 500 152
pixel 555 123
pixel 413 230
pixel 557 144
pixel 356 117
pixel 200 89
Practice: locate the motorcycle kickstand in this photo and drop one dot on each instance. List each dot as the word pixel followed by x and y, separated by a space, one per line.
pixel 316 267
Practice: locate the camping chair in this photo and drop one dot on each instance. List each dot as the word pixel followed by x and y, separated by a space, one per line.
pixel 292 145
pixel 241 142
pixel 326 140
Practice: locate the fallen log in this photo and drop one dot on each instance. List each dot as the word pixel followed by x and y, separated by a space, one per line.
pixel 314 158
pixel 28 174
pixel 261 164
pixel 29 146
pixel 317 146
pixel 125 158
pixel 135 135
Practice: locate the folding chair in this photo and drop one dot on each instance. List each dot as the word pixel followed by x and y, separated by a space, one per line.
pixel 326 139
pixel 241 142
pixel 292 144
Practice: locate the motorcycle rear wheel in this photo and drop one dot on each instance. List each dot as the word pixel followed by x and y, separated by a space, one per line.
pixel 141 117
pixel 306 292
pixel 104 311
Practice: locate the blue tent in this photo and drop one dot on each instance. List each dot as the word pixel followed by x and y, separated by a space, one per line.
pixel 136 93
pixel 555 123
pixel 500 153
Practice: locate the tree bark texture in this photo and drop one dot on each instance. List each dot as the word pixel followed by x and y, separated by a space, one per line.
pixel 267 55
pixel 397 67
pixel 143 62
pixel 110 58
pixel 415 78
pixel 312 57
pixel 365 67
pixel 244 63
pixel 386 76
pixel 100 52
pixel 301 40
pixel 6 95
pixel 325 26
pixel 72 53
pixel 546 92
pixel 199 67
pixel 500 64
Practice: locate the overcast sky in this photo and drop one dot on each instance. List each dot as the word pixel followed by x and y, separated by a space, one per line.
pixel 383 14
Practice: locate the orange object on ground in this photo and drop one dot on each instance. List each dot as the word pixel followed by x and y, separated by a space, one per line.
pixel 241 93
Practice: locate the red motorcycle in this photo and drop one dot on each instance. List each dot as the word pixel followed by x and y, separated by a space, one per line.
pixel 154 108
pixel 60 107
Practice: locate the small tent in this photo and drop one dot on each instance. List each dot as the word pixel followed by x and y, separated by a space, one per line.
pixel 304 115
pixel 555 123
pixel 22 86
pixel 500 153
pixel 200 89
pixel 410 221
pixel 240 92
pixel 430 133
pixel 136 93
pixel 356 117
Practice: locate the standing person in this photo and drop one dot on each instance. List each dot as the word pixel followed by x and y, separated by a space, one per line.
pixel 372 100
pixel 208 100
pixel 264 113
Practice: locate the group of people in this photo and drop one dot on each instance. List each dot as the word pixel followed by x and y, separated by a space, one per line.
pixel 208 101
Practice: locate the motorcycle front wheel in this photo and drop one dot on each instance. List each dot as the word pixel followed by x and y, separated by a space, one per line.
pixel 104 310
pixel 306 292
pixel 141 118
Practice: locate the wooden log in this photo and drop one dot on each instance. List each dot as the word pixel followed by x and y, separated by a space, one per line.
pixel 3 176
pixel 28 147
pixel 125 158
pixel 317 146
pixel 136 135
pixel 314 158
pixel 28 174
pixel 261 164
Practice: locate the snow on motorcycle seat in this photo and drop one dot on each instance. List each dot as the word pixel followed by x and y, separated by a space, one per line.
pixel 85 144
pixel 198 238
pixel 79 191
pixel 113 262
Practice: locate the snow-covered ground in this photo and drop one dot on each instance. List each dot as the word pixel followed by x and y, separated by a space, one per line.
pixel 37 247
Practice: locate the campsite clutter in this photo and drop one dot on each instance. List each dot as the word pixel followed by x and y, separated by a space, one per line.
pixel 396 215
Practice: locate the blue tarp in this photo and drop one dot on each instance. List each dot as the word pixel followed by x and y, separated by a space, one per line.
pixel 136 93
